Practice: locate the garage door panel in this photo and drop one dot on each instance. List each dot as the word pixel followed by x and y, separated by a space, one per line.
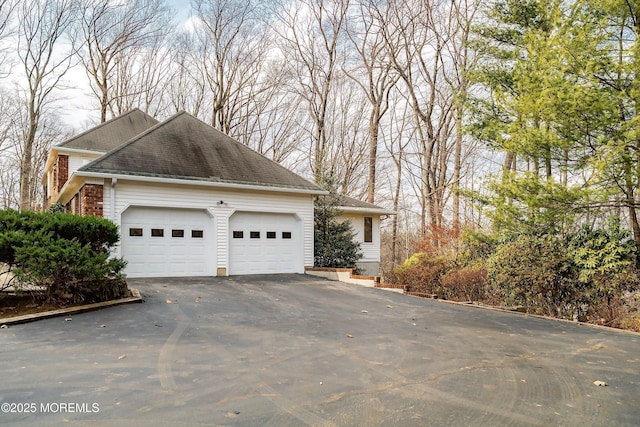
pixel 150 256
pixel 270 253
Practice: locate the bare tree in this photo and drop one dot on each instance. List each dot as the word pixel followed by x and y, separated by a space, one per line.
pixel 396 136
pixel 232 44
pixel 44 61
pixel 311 37
pixel 9 161
pixel 347 128
pixel 109 32
pixel 374 74
pixel 271 124
pixel 140 79
pixel 187 87
pixel 416 36
pixel 463 58
pixel 50 131
pixel 7 8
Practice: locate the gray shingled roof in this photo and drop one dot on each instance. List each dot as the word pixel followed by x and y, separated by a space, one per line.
pixel 349 202
pixel 183 147
pixel 113 133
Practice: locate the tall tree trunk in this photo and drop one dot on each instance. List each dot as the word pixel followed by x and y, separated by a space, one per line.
pixel 26 164
pixel 457 159
pixel 26 171
pixel 374 123
pixel 631 208
pixel 396 203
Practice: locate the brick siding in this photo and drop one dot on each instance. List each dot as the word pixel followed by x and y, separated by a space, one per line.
pixel 62 172
pixel 91 195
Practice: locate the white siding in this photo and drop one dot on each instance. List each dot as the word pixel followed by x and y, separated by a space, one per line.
pixel 371 250
pixel 222 230
pixel 76 161
pixel 129 193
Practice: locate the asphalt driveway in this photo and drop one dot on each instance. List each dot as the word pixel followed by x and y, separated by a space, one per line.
pixel 293 350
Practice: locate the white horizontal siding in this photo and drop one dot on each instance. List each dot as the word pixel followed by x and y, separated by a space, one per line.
pixel 130 193
pixel 76 161
pixel 370 250
pixel 222 236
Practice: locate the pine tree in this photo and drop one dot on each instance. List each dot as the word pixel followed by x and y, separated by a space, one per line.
pixel 542 110
pixel 334 241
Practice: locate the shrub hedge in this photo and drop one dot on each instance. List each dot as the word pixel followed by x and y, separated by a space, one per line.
pixel 591 275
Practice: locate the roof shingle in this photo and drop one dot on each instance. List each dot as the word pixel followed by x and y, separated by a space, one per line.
pixel 347 203
pixel 183 147
pixel 113 133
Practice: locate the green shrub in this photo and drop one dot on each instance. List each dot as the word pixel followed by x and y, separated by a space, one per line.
pixel 334 241
pixel 606 259
pixel 9 241
pixel 476 246
pixel 66 256
pixel 591 275
pixel 101 234
pixel 602 253
pixel 56 207
pixel 465 283
pixel 535 272
pixel 335 245
pixel 422 273
pixel 68 270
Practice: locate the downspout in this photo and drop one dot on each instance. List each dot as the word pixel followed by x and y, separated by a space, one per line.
pixel 112 210
pixel 112 199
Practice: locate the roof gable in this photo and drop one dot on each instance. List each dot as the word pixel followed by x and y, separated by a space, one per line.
pixel 113 133
pixel 183 147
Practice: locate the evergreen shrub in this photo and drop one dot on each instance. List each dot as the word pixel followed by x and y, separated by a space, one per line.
pixel 65 257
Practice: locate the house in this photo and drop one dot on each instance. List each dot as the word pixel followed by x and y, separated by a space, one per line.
pixel 191 201
pixel 365 222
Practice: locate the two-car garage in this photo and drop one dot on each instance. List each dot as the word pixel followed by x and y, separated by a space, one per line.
pixel 166 242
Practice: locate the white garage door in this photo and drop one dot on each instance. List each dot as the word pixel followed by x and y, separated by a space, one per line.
pixel 160 242
pixel 264 243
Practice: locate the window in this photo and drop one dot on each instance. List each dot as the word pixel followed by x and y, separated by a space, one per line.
pixel 286 234
pixel 238 234
pixel 368 229
pixel 135 232
pixel 271 234
pixel 177 233
pixel 157 232
pixel 254 234
pixel 197 234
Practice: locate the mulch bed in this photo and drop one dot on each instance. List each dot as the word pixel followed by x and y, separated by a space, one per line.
pixel 12 305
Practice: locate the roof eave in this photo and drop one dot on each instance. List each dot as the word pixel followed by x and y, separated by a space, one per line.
pixel 70 188
pixel 380 211
pixel 71 150
pixel 219 184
